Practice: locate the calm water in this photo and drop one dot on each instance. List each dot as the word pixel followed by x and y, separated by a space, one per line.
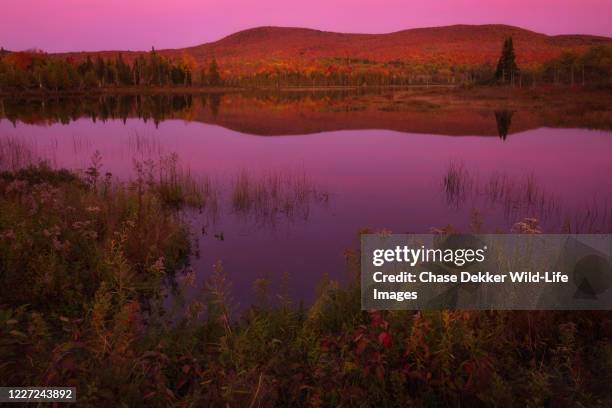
pixel 382 171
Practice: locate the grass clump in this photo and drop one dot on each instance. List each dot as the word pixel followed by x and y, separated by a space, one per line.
pixel 80 264
pixel 274 195
pixel 64 235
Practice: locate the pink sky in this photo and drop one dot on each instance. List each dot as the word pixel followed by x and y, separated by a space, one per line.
pixel 68 25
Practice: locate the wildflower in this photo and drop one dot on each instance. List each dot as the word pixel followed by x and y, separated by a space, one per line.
pixel 59 246
pixel 189 278
pixel 527 226
pixel 80 224
pixel 194 310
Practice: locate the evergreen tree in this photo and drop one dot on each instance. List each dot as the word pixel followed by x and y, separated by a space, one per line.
pixel 90 80
pixel 138 70
pixel 110 73
pixel 154 69
pixel 100 70
pixel 124 74
pixel 506 66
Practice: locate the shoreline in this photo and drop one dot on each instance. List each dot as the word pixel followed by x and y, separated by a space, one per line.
pixel 195 90
pixel 437 88
pixel 458 92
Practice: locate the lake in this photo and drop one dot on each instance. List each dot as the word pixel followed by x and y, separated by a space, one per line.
pixel 297 175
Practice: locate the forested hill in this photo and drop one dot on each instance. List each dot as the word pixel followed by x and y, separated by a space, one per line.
pixel 457 44
pixel 279 56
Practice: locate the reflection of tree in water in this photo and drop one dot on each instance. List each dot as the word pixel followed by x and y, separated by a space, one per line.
pixel 504 120
pixel 157 107
pixel 102 107
pixel 215 102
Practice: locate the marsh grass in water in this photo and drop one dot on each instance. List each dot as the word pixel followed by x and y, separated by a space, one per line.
pixel 176 186
pixel 522 198
pixel 63 234
pixel 14 154
pixel 275 194
pixel 456 183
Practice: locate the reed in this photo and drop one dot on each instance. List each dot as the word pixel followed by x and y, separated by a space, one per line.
pixel 520 198
pixel 273 195
pixel 15 154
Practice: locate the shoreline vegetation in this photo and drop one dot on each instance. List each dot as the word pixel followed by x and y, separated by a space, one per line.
pixel 85 260
pixel 37 72
pixel 198 90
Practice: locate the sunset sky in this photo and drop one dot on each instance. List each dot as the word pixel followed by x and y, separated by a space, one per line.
pixel 69 25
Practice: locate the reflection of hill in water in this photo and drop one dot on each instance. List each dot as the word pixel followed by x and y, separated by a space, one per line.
pixel 292 113
pixel 302 118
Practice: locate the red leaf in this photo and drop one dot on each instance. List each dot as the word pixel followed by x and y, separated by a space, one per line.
pixel 384 338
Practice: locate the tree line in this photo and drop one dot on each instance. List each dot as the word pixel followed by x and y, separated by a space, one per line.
pixel 593 67
pixel 571 68
pixel 35 70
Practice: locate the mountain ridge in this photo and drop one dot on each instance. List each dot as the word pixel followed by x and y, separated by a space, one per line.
pixel 282 29
pixel 461 44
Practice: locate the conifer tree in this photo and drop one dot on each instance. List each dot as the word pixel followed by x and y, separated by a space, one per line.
pixel 506 66
pixel 100 70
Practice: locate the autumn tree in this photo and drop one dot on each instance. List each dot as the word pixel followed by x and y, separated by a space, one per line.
pixel 597 64
pixel 86 66
pixel 214 79
pixel 138 70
